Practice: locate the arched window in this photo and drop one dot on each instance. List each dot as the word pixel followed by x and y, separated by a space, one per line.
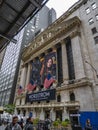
pixel 72 96
pixel 59 98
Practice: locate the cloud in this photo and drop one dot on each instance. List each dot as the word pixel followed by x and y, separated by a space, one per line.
pixel 60 6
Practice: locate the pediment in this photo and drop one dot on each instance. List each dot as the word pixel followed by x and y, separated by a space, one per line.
pixel 49 35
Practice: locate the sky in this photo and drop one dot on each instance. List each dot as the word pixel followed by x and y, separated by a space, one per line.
pixel 60 6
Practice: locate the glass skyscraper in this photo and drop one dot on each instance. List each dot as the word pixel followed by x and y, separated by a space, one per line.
pixel 8 69
pixel 41 21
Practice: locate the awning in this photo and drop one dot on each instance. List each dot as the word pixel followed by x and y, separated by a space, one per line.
pixel 14 15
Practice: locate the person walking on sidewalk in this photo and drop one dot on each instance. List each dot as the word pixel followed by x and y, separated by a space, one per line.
pixel 14 124
pixel 88 125
pixel 29 124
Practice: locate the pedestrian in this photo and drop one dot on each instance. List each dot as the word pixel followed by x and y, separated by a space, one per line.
pixel 29 124
pixel 88 125
pixel 47 123
pixel 21 122
pixel 0 122
pixel 14 124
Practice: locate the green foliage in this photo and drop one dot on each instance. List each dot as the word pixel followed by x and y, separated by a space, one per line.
pixel 9 108
pixel 55 123
pixel 64 123
pixel 59 121
pixel 35 121
pixel 67 120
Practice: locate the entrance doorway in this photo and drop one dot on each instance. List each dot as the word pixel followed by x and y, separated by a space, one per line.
pixel 59 114
pixel 74 117
pixel 47 114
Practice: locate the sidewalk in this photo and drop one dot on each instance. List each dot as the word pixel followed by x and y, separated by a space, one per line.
pixel 2 127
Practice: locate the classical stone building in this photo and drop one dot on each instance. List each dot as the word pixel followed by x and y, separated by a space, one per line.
pixel 73 40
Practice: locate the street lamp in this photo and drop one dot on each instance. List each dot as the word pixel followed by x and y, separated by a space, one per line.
pixel 92 68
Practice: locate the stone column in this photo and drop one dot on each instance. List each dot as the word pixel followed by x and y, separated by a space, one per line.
pixel 52 115
pixel 77 57
pixel 34 113
pixel 64 62
pixel 27 112
pixel 41 57
pixel 65 115
pixel 54 49
pixel 42 114
pixel 16 112
pixel 23 76
pixel 28 74
pixel 23 101
pixel 21 113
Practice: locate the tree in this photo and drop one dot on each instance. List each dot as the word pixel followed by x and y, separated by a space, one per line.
pixel 9 108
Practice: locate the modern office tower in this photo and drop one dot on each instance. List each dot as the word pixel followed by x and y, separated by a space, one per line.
pixel 52 16
pixel 11 61
pixel 69 88
pixel 9 70
pixel 42 20
pixel 2 56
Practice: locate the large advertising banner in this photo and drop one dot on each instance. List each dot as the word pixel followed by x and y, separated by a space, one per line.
pixel 48 70
pixel 35 75
pixel 44 70
pixel 41 96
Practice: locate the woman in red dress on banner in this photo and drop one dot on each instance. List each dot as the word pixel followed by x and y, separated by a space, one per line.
pixel 48 71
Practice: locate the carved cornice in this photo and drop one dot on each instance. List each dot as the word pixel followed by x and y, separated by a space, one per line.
pixel 51 105
pixel 75 85
pixel 47 38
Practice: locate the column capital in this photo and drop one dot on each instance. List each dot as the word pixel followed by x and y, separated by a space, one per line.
pixel 63 41
pixel 30 62
pixel 24 65
pixel 54 48
pixel 75 33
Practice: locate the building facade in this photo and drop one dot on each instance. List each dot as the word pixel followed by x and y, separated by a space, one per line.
pixel 11 61
pixel 40 21
pixel 71 43
pixel 1 57
pixel 9 71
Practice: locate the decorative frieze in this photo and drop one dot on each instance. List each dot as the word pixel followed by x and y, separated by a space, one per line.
pixel 55 105
pixel 49 36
